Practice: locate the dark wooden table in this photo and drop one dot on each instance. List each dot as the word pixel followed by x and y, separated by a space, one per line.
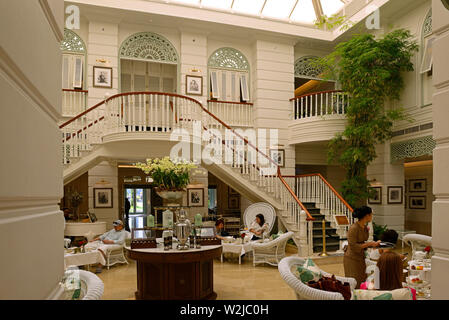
pixel 175 274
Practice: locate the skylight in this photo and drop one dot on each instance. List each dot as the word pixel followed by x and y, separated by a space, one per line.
pixel 302 11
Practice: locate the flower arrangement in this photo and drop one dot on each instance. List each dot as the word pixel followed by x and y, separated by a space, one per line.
pixel 168 174
pixel 76 198
pixel 429 251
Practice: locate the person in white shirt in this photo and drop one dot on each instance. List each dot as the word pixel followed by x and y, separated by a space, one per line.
pixel 111 240
pixel 259 227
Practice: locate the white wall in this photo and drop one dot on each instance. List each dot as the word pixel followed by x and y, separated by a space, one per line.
pixel 31 224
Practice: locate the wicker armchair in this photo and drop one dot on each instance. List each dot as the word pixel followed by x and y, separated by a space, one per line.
pixel 418 242
pixel 92 286
pixel 303 292
pixel 117 254
pixel 271 252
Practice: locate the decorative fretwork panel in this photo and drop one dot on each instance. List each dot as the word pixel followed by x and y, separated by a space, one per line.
pixel 72 42
pixel 427 27
pixel 306 67
pixel 148 46
pixel 412 148
pixel 228 58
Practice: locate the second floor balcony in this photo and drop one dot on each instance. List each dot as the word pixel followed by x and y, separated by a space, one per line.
pixel 317 116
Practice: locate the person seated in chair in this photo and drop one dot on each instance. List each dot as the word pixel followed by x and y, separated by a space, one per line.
pixel 108 241
pixel 259 227
pixel 219 229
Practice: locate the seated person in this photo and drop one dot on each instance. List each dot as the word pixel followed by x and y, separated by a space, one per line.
pixel 111 240
pixel 391 273
pixel 388 236
pixel 219 229
pixel 259 228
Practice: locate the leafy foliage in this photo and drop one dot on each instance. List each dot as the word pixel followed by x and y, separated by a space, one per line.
pixel 333 22
pixel 370 70
pixel 168 174
pixel 378 230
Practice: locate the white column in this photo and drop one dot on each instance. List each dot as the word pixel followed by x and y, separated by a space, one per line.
pixel 31 224
pixel 273 85
pixel 387 174
pixel 440 212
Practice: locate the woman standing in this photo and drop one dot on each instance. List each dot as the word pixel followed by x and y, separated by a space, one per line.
pixel 354 259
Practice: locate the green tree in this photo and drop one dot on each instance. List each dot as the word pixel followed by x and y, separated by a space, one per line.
pixel 370 70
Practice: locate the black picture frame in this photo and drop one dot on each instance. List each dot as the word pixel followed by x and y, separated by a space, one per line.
pixel 103 198
pixel 194 202
pixel 274 155
pixel 414 185
pixel 193 80
pixel 234 202
pixel 392 190
pixel 377 200
pixel 414 202
pixel 108 81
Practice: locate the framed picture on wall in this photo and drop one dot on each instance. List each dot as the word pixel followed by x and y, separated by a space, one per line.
pixel 278 155
pixel 195 197
pixel 377 197
pixel 103 198
pixel 417 185
pixel 417 202
pixel 395 195
pixel 102 77
pixel 194 85
pixel 234 202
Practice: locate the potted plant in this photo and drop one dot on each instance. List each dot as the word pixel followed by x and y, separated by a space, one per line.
pixel 76 199
pixel 378 230
pixel 170 176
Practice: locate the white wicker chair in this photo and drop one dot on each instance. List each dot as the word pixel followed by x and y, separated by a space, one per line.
pixel 304 292
pixel 93 287
pixel 271 252
pixel 260 207
pixel 117 255
pixel 417 242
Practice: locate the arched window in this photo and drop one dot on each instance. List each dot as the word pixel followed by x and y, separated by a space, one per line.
pixel 306 68
pixel 73 60
pixel 229 75
pixel 426 67
pixel 148 62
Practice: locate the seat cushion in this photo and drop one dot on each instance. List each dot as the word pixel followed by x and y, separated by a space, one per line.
pixel 308 272
pixel 398 294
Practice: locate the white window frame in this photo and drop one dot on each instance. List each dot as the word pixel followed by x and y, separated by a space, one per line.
pixel 228 85
pixel 74 77
pixel 244 87
pixel 427 60
pixel 214 84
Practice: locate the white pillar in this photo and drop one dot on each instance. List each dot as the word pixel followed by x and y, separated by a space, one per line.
pixel 303 247
pixel 440 211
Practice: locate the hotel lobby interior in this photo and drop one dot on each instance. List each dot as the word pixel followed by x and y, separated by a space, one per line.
pixel 224 150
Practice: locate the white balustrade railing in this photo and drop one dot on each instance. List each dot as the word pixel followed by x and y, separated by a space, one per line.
pixel 314 188
pixel 162 112
pixel 73 102
pixel 319 104
pixel 234 114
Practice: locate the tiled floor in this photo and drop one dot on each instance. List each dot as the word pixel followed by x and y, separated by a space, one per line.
pixel 231 280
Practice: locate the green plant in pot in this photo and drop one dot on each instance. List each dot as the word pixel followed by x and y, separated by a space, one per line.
pixel 170 176
pixel 378 230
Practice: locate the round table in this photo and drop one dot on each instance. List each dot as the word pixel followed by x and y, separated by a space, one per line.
pixel 175 274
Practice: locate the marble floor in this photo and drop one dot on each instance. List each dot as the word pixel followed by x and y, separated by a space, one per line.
pixel 231 280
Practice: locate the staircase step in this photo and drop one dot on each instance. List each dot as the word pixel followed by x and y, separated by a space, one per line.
pixel 313 211
pixel 309 205
pixel 329 248
pixel 319 231
pixel 318 224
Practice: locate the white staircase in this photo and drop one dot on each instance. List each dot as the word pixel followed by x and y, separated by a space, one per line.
pixel 120 128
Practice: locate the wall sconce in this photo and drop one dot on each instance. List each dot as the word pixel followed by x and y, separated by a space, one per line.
pixel 195 70
pixel 102 61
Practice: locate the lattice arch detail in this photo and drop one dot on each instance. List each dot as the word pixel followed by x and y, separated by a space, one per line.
pixel 427 26
pixel 228 58
pixel 72 42
pixel 148 46
pixel 305 67
pixel 412 148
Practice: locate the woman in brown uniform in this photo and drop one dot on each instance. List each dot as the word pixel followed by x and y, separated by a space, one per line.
pixel 354 259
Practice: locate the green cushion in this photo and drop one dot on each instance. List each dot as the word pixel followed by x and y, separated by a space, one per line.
pixel 385 296
pixel 308 272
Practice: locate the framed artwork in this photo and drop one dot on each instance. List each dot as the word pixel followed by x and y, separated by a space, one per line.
pixel 102 77
pixel 103 198
pixel 232 192
pixel 92 217
pixel 417 185
pixel 417 202
pixel 377 199
pixel 395 195
pixel 195 197
pixel 278 155
pixel 194 85
pixel 234 202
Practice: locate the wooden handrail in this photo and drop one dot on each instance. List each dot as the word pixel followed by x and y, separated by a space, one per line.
pixel 316 93
pixel 327 183
pixel 231 102
pixel 75 90
pixel 279 175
